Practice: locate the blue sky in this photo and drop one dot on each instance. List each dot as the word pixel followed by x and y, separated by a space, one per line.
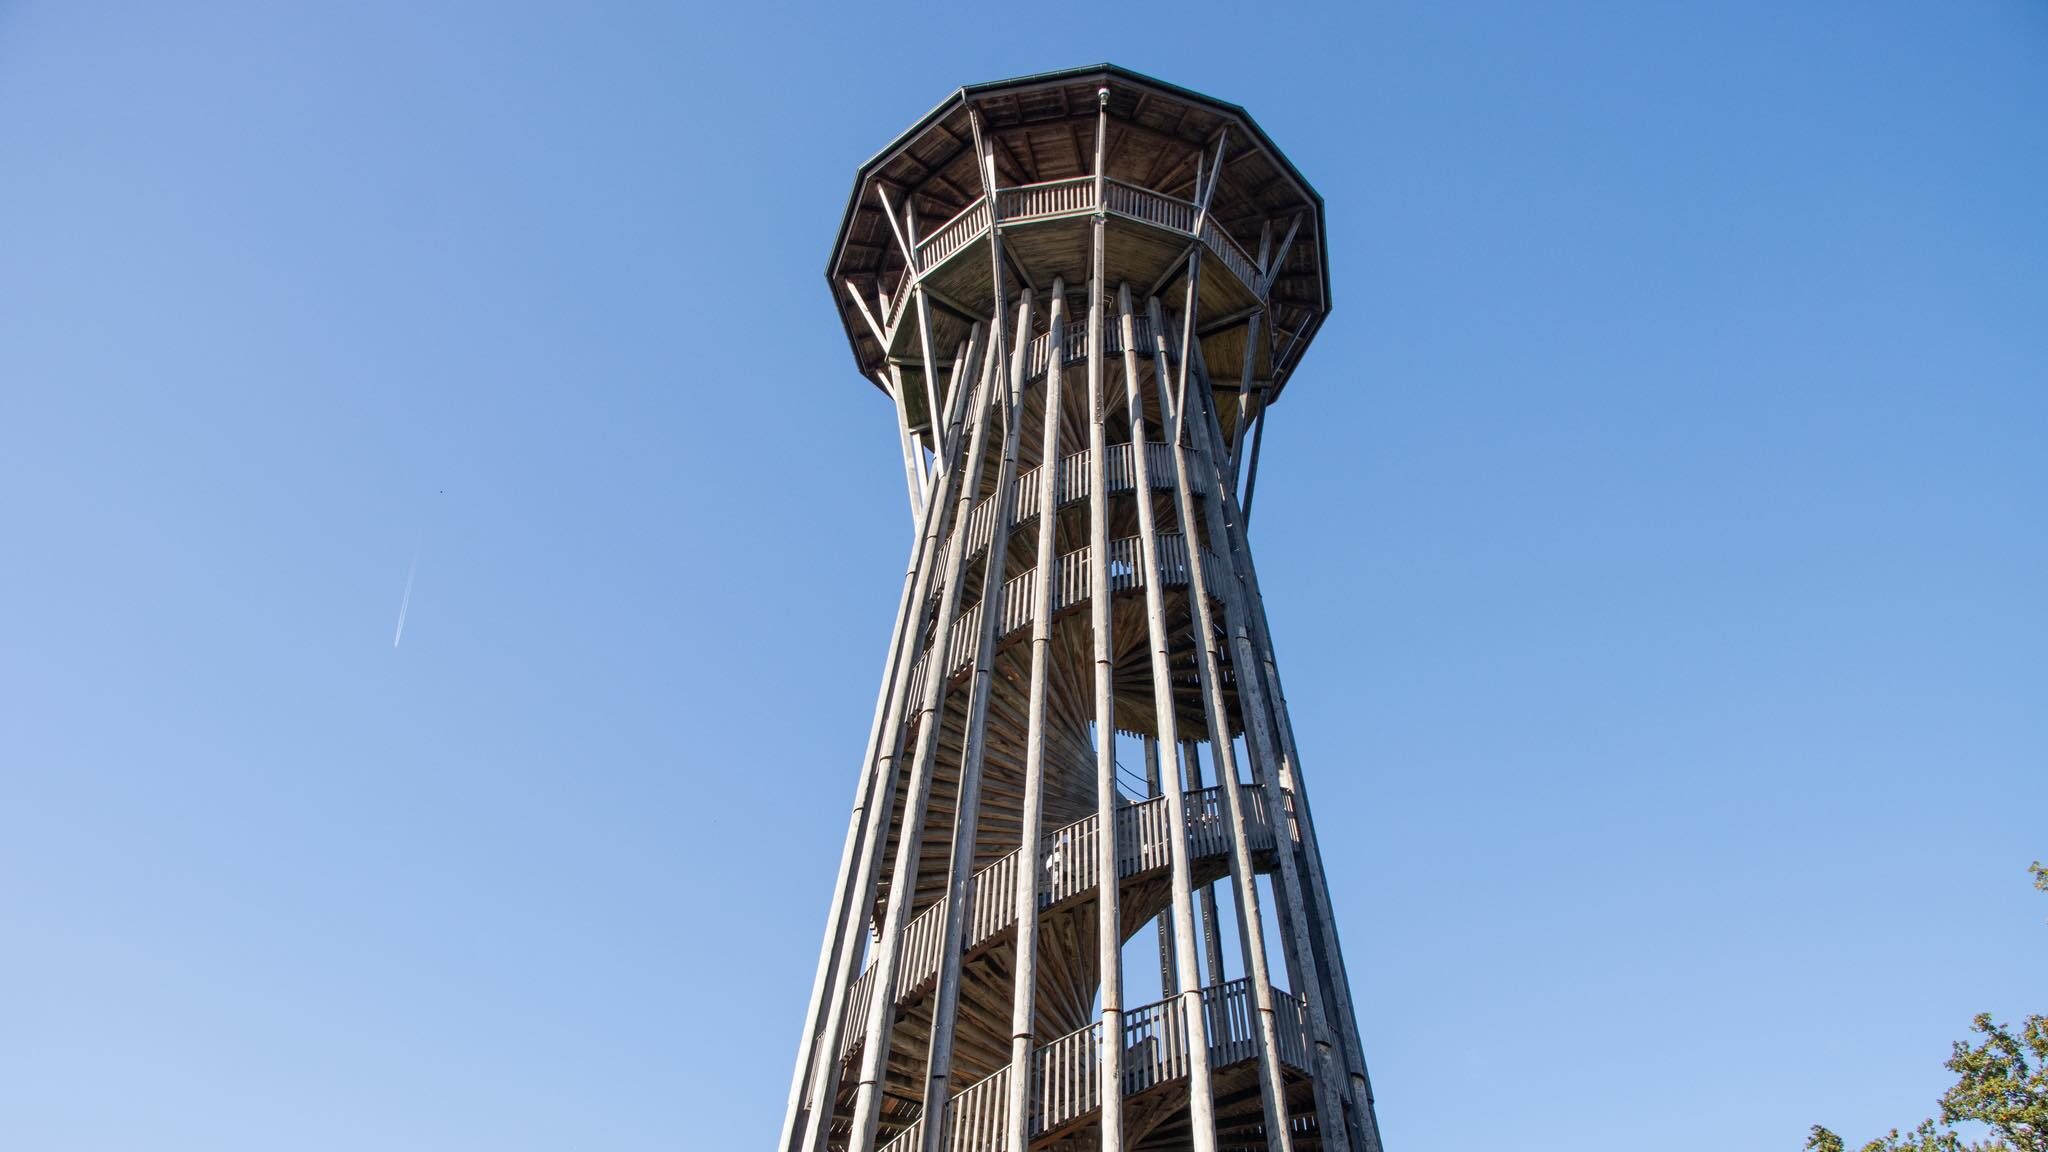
pixel 1654 537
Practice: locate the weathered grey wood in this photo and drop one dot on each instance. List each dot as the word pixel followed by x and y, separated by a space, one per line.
pixel 922 301
pixel 967 812
pixel 902 885
pixel 1108 919
pixel 1167 973
pixel 970 996
pixel 967 809
pixel 1251 929
pixel 1272 268
pixel 858 824
pixel 906 246
pixel 843 940
pixel 1268 731
pixel 873 325
pixel 914 479
pixel 1201 1089
pixel 1024 984
pixel 1215 178
pixel 1245 399
pixel 1212 932
pixel 1251 473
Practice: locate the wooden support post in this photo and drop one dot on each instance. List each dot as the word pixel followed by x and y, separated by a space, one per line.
pixel 1024 986
pixel 1167 987
pixel 1306 896
pixel 967 809
pixel 922 304
pixel 885 748
pixel 1201 1085
pixel 1108 919
pixel 1251 475
pixel 867 315
pixel 1212 932
pixel 1245 397
pixel 1215 178
pixel 809 1065
pixel 906 242
pixel 1251 927
pixel 903 877
pixel 1271 272
pixel 907 247
pixel 914 477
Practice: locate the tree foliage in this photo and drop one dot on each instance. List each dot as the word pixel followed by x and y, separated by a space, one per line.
pixel 2001 1083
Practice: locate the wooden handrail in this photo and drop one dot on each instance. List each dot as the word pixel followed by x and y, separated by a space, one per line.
pixel 1069 197
pixel 1069 859
pixel 1066 1072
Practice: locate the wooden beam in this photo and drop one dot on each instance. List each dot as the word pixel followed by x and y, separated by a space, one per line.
pixel 1269 737
pixel 1024 978
pixel 950 304
pixel 908 250
pixel 1245 398
pixel 1174 269
pixel 1269 272
pixel 872 814
pixel 953 906
pixel 903 881
pixel 1108 919
pixel 866 315
pixel 913 464
pixel 1225 322
pixel 1251 929
pixel 1201 1089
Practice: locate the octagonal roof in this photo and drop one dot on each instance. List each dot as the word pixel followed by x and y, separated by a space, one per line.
pixel 1040 129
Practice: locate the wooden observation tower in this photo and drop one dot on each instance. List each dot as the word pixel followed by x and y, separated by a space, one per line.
pixel 1082 292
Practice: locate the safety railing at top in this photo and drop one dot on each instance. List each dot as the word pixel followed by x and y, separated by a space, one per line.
pixel 1151 207
pixel 1074 196
pixel 953 235
pixel 1052 198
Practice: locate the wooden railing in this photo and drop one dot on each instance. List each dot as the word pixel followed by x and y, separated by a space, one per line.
pixel 1076 343
pixel 1149 206
pixel 1054 198
pixel 1071 586
pixel 1076 481
pixel 1068 1076
pixel 1068 857
pixel 953 235
pixel 974 1118
pixel 1234 258
pixel 1066 1073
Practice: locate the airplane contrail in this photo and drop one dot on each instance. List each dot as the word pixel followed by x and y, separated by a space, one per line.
pixel 405 601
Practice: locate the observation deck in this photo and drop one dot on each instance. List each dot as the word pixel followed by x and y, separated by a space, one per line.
pixel 920 204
